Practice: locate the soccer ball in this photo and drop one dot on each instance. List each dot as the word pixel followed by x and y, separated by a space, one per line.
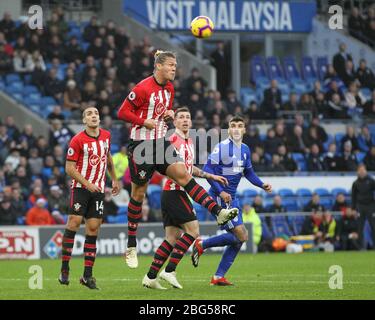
pixel 202 27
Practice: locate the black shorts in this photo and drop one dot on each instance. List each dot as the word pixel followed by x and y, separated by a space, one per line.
pixel 176 208
pixel 86 204
pixel 148 156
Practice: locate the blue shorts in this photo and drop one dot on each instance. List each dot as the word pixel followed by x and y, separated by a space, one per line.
pixel 237 221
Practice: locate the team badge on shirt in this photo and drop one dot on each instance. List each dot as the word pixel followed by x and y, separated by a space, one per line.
pixel 77 206
pixel 70 152
pixel 142 174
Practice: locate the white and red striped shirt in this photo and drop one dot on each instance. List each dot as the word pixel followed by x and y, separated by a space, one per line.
pixel 90 154
pixel 185 148
pixel 147 100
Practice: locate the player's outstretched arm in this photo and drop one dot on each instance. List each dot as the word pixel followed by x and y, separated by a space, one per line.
pixel 202 174
pixel 111 171
pixel 71 170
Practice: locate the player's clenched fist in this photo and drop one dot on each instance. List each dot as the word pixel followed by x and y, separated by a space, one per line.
pixel 267 187
pixel 168 115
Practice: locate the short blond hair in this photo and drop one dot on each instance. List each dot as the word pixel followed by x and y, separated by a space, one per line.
pixel 160 56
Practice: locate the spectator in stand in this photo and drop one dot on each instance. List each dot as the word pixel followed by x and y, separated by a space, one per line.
pixel 332 162
pixel 35 162
pixel 18 203
pixel 286 159
pixel 352 137
pixel 272 100
pixel 321 133
pixel 123 198
pixel 59 135
pixel 147 213
pixel 365 140
pixel 348 231
pixel 313 204
pixel 74 52
pixel 38 76
pixel 23 63
pixel 312 137
pixel 62 26
pixel 307 103
pixel 97 49
pixel 314 160
pixel 56 201
pixel 6 63
pixel 120 162
pixel 275 165
pixel 110 207
pixel 313 225
pixel 356 24
pixel 317 90
pixel 36 194
pixel 348 157
pixel 56 114
pixel 292 103
pixel 38 215
pixel 336 108
pixel 89 93
pixel 295 141
pixel 354 100
pixel 251 137
pixel 272 142
pixel 277 208
pixel 257 165
pixel 72 99
pixel 258 204
pixel 126 71
pixel 340 59
pixel 329 228
pixel 53 86
pixel 55 48
pixel 220 59
pixel 334 89
pixel 91 30
pixel 350 74
pixel 232 102
pixel 8 26
pixel 8 215
pixel 254 112
pixel 369 159
pixel 365 75
pixel 369 107
pixel 340 204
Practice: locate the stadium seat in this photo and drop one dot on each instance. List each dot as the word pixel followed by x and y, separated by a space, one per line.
pixel 266 232
pixel 200 212
pixel 338 138
pixel 27 90
pixel 274 68
pixel 122 210
pixel 21 221
pixel 322 192
pixel 326 202
pixel 308 70
pixel 114 148
pixel 326 144
pixel 366 93
pixel 360 156
pixel 258 69
pixel 280 226
pixel 290 69
pixel 45 101
pixel 322 63
pixel 336 191
pixel 12 77
pixel 296 223
pixel 303 192
pixel 285 192
pixel 290 204
pixel 154 196
pixel 249 193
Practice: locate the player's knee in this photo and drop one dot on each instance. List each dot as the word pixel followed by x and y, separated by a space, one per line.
pixel 138 193
pixel 194 233
pixel 73 223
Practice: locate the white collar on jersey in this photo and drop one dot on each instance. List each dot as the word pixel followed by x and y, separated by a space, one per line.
pixel 181 134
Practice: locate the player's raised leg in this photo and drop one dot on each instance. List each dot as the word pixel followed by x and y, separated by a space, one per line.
pixel 72 227
pixel 89 249
pixel 177 171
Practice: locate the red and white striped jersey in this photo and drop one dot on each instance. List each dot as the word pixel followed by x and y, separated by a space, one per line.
pixel 185 148
pixel 149 100
pixel 90 155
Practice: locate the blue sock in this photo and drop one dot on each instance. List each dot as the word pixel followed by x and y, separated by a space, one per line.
pixel 227 259
pixel 221 240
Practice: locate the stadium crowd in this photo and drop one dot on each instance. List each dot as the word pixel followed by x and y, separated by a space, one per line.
pixel 99 66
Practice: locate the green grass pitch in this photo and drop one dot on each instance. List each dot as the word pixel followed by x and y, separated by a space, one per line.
pixel 261 276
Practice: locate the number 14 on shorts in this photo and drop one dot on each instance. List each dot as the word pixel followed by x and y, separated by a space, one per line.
pixel 99 206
